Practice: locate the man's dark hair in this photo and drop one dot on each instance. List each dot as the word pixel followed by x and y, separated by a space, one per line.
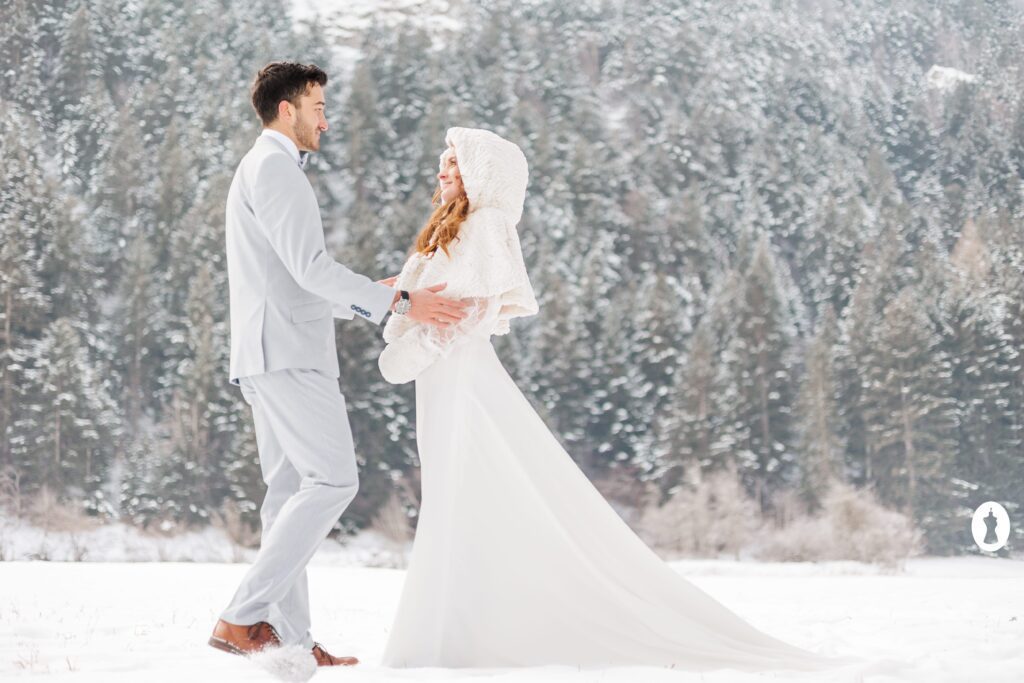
pixel 283 81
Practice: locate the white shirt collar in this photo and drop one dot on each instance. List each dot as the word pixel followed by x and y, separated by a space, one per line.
pixel 286 141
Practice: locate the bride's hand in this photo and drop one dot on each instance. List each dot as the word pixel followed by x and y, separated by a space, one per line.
pixel 389 281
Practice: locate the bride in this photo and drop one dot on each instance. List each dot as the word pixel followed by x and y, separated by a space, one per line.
pixel 518 560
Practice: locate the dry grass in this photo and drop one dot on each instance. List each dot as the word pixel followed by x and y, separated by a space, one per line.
pixel 392 520
pixel 48 512
pixel 705 518
pixel 232 522
pixel 713 516
pixel 10 490
pixel 851 526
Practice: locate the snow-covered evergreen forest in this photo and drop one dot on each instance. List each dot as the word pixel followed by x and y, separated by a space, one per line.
pixel 781 243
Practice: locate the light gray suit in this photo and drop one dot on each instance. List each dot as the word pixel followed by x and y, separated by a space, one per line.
pixel 283 285
pixel 285 291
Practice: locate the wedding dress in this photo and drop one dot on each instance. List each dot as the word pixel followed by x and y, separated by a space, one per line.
pixel 518 560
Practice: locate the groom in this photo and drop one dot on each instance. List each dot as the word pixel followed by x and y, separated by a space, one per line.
pixel 285 291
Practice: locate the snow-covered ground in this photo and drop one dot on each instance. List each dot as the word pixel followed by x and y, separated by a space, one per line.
pixel 955 620
pixel 117 542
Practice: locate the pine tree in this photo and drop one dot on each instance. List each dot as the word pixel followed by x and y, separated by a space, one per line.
pixel 381 415
pixel 78 89
pixel 910 418
pixel 663 323
pixel 759 375
pixel 22 54
pixel 141 325
pixel 75 419
pixel 25 224
pixel 599 284
pixel 817 408
pixel 1008 283
pixel 686 428
pixel 121 201
pixel 830 264
pixel 195 427
pixel 615 423
pixel 982 359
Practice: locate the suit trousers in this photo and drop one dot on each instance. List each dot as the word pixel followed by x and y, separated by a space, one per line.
pixel 308 462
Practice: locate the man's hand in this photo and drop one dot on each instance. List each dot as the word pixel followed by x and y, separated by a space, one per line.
pixel 426 306
pixel 389 281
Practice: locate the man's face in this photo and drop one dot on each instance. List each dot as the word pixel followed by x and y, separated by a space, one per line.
pixel 309 119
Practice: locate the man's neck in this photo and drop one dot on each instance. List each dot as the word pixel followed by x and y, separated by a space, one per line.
pixel 283 130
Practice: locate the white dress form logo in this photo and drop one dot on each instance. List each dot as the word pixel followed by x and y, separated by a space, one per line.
pixel 990 526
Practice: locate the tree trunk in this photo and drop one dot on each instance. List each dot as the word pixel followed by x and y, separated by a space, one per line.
pixel 908 450
pixel 8 403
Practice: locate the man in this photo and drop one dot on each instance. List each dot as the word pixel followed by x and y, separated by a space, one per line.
pixel 285 291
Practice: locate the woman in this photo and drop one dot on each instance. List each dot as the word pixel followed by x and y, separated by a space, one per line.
pixel 518 560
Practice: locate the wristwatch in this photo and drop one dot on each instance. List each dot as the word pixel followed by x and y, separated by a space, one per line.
pixel 403 304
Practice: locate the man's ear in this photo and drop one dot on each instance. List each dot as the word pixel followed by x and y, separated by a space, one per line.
pixel 284 110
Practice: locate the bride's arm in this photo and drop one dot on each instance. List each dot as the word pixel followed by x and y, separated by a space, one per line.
pixel 406 357
pixel 486 267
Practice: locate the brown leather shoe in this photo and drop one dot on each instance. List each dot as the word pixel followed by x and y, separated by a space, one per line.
pixel 243 640
pixel 325 658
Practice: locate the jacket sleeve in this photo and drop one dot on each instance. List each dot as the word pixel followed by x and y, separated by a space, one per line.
pixel 342 313
pixel 286 207
pixel 406 357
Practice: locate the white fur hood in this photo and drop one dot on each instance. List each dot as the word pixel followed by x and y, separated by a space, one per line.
pixel 494 170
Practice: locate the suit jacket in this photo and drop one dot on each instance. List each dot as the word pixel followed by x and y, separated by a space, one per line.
pixel 284 288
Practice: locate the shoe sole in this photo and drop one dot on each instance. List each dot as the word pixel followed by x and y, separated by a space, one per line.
pixel 225 646
pixel 340 663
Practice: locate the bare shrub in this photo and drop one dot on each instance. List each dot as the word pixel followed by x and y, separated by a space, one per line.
pixel 30 661
pixel 79 548
pixel 46 511
pixel 623 490
pixel 392 520
pixel 852 525
pixel 706 517
pixel 788 507
pixel 10 490
pixel 231 520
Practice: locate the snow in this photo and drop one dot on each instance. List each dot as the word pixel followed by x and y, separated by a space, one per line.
pixel 346 21
pixel 20 540
pixel 116 542
pixel 953 619
pixel 359 15
pixel 946 78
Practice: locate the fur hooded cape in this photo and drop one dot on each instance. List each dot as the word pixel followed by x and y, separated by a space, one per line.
pixel 485 259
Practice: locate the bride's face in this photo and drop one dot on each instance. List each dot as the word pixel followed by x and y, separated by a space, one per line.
pixel 450 179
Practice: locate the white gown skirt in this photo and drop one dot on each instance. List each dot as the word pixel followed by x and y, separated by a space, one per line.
pixel 519 561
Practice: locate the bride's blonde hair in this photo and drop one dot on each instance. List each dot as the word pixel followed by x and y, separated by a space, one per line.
pixel 442 228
